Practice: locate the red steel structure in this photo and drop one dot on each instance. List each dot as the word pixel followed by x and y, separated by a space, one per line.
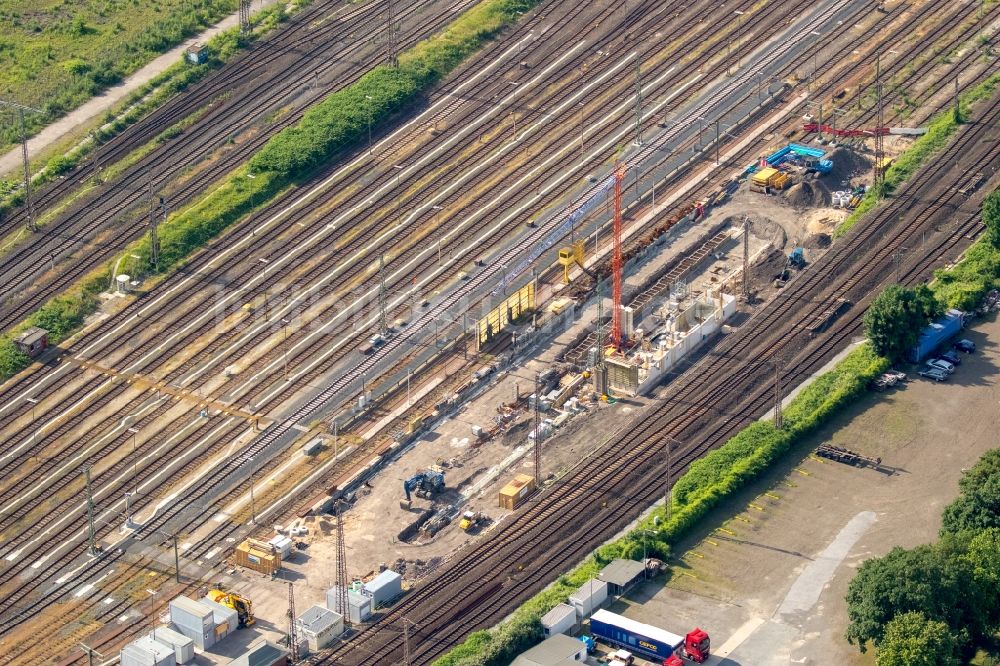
pixel 616 262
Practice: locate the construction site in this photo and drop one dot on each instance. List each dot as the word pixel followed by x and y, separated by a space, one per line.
pixel 384 409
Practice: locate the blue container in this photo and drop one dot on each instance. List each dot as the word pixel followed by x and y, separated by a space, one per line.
pixel 934 335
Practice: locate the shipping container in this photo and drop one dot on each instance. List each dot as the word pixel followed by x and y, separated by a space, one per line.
pixel 516 491
pixel 262 560
pixel 384 588
pixel 283 545
pixel 934 335
pixel 194 620
pixel 359 606
pixel 589 597
pixel 320 627
pixel 559 620
pixel 145 651
pixel 644 640
pixel 182 645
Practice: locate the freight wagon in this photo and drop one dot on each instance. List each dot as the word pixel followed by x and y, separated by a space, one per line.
pixel 648 641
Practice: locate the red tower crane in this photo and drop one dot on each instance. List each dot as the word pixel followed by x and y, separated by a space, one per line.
pixel 616 262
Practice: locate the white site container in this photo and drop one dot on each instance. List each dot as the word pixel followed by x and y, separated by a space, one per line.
pixel 589 597
pixel 559 620
pixel 182 645
pixel 145 651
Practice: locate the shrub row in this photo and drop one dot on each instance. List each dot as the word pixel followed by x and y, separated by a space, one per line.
pixel 707 482
pixel 343 118
pixel 335 124
pixel 939 131
pixel 964 285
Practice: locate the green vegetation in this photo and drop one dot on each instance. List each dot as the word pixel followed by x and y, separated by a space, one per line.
pixel 54 54
pixel 939 132
pixel 945 592
pixel 707 483
pixel 340 121
pixel 334 124
pixel 175 79
pixel 963 286
pixel 896 317
pixel 977 506
pixel 913 640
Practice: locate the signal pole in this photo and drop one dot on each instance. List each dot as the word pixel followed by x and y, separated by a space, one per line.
pixel 406 641
pixel 638 107
pixel 383 323
pixel 391 45
pixel 878 180
pixel 746 258
pixel 538 435
pixel 92 548
pixel 29 205
pixel 778 420
pixel 245 17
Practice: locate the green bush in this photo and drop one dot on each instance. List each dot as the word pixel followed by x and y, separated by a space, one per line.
pixel 913 640
pixel 963 286
pixel 897 316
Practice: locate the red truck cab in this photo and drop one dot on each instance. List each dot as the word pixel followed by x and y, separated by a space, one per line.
pixel 696 647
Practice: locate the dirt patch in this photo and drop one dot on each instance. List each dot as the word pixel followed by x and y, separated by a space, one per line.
pixel 807 194
pixel 847 165
pixel 818 241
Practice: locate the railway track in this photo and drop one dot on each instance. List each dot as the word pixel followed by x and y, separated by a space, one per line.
pixel 620 480
pixel 239 113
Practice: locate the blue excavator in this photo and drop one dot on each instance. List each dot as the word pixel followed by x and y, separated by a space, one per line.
pixel 424 484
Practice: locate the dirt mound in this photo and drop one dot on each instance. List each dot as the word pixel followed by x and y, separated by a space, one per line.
pixel 808 193
pixel 816 241
pixel 761 227
pixel 847 164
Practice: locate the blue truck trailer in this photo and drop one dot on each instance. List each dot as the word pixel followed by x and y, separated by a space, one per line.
pixel 648 641
pixel 934 335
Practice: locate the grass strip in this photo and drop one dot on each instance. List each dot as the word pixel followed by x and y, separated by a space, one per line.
pixel 939 132
pixel 173 80
pixel 331 127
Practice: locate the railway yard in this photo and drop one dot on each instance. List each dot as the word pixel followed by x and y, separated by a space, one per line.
pixel 438 299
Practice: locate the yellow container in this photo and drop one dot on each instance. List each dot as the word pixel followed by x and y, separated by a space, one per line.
pixel 516 491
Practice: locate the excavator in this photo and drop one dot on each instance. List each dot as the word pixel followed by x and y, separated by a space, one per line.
pixel 240 604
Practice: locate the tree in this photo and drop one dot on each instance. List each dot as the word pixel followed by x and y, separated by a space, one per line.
pixel 930 579
pixel 911 639
pixel 896 317
pixel 991 218
pixel 978 505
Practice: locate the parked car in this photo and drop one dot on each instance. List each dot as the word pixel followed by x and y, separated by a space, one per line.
pixel 951 357
pixel 942 365
pixel 898 375
pixel 935 374
pixel 963 345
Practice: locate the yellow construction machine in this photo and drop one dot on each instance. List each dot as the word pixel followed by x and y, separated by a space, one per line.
pixel 572 255
pixel 240 604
